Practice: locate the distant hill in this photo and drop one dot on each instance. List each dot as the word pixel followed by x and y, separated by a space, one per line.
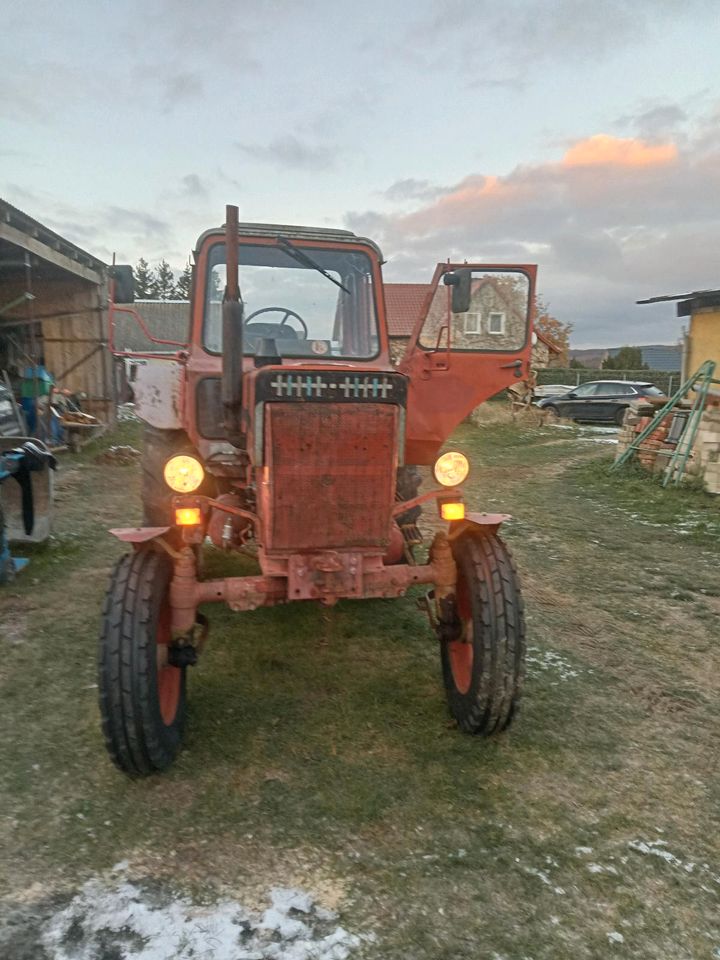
pixel 658 356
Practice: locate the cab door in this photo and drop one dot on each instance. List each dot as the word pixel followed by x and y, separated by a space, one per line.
pixel 472 340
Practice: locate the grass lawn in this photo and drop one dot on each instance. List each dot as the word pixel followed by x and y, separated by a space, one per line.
pixel 319 751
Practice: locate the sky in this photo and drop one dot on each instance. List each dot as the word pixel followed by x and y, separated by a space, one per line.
pixel 581 136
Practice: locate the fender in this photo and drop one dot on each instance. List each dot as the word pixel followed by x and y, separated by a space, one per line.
pixel 478 524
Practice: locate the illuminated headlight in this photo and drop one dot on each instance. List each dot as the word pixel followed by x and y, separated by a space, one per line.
pixel 451 469
pixel 183 474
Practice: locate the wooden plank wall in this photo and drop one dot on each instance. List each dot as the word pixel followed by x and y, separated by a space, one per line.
pixel 75 345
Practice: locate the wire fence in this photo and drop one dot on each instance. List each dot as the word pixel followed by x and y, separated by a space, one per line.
pixel 667 381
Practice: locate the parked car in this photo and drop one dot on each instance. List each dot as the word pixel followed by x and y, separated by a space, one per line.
pixel 604 400
pixel 551 390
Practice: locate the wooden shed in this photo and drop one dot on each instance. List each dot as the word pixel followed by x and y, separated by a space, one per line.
pixel 53 309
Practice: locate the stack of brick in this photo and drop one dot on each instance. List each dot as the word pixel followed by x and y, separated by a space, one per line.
pixel 656 450
pixel 706 449
pixel 638 416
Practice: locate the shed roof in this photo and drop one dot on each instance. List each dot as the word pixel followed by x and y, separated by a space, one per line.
pixel 19 230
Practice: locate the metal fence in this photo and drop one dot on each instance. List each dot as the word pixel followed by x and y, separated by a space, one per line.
pixel 664 380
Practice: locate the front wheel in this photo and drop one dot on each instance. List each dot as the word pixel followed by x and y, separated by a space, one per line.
pixel 142 695
pixel 484 664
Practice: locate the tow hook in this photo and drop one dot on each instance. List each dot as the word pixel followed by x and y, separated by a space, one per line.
pixel 185 649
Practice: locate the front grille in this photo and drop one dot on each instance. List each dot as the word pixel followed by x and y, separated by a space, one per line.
pixel 331 467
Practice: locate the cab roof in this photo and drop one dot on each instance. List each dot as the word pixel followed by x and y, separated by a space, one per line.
pixel 294 232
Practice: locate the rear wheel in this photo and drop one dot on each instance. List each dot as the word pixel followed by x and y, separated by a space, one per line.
pixel 552 414
pixel 142 696
pixel 620 416
pixel 484 665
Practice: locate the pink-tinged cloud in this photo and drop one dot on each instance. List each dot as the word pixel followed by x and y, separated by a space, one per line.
pixel 604 150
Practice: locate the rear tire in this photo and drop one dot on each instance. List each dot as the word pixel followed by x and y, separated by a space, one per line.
pixel 142 697
pixel 552 414
pixel 484 668
pixel 620 416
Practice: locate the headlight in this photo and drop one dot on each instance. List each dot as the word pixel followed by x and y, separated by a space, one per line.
pixel 183 474
pixel 451 468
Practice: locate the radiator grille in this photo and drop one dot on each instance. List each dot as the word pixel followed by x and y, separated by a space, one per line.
pixel 332 474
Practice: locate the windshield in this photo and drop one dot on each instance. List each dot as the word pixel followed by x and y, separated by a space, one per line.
pixel 309 301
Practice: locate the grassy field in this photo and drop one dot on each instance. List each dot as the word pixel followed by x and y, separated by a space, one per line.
pixel 320 755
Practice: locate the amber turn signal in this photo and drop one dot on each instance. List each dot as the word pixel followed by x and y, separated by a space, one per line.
pixel 452 511
pixel 187 516
pixel 183 473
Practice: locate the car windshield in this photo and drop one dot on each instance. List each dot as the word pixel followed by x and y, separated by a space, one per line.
pixel 309 301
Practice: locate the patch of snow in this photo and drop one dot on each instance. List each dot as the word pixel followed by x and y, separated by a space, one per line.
pixel 599 868
pixel 580 851
pixel 615 937
pixel 541 875
pixel 552 662
pixel 138 926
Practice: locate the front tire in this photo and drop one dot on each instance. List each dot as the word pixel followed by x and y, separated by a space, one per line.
pixel 142 696
pixel 484 666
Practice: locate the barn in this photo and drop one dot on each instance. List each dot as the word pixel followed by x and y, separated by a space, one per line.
pixel 53 316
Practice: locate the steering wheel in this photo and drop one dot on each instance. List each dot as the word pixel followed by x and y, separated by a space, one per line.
pixel 284 322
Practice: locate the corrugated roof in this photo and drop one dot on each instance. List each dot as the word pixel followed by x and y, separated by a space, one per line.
pixel 404 303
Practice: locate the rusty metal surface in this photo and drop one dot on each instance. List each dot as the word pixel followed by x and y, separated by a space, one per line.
pixel 158 386
pixel 331 475
pixel 322 576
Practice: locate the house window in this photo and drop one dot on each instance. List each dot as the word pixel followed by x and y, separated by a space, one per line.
pixel 472 323
pixel 496 322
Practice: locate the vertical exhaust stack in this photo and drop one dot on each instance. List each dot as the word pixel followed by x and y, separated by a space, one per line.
pixel 232 327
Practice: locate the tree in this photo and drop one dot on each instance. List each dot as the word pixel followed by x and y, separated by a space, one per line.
pixel 164 281
pixel 576 364
pixel 553 329
pixel 627 358
pixel 182 287
pixel 144 280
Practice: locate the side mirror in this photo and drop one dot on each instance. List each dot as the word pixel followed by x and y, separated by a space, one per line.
pixel 124 284
pixel 460 280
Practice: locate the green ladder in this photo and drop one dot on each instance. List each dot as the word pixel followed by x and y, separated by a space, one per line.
pixel 675 470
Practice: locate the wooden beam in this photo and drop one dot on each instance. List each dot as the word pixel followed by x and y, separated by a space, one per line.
pixel 42 250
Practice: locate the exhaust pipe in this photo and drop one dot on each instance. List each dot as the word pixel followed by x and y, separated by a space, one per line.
pixel 232 329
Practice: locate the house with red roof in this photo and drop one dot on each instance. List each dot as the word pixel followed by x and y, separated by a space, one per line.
pixel 406 303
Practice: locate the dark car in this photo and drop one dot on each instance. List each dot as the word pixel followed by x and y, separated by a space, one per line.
pixel 604 400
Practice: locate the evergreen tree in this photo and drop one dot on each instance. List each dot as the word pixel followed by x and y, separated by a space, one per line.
pixel 144 280
pixel 165 281
pixel 182 287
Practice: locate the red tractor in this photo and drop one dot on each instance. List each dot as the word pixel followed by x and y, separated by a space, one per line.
pixel 282 425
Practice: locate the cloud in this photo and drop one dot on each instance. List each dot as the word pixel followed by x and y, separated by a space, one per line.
pixel 513 38
pixel 609 221
pixel 192 185
pixel 411 189
pixel 291 152
pixel 654 121
pixel 602 150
